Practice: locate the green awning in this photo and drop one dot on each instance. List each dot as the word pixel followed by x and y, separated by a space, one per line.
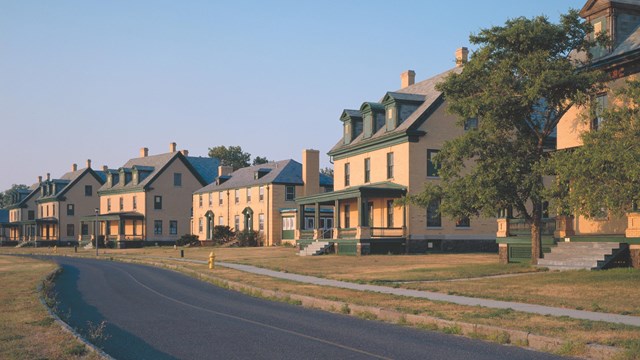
pixel 378 190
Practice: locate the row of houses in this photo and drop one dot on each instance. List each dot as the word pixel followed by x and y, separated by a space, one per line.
pixel 385 153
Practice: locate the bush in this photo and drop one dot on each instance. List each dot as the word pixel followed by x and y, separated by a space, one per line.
pixel 188 240
pixel 223 234
pixel 249 238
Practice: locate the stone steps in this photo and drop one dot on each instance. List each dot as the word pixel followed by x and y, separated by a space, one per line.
pixel 574 255
pixel 315 248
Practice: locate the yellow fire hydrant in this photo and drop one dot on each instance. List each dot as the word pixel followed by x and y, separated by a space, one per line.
pixel 212 259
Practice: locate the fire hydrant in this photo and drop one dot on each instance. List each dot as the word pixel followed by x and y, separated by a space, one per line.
pixel 212 259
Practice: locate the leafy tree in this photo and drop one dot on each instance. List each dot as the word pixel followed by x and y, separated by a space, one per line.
pixel 231 156
pixel 603 173
pixel 328 171
pixel 519 83
pixel 260 160
pixel 5 197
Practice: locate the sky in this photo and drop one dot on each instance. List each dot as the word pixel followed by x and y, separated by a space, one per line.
pixel 89 79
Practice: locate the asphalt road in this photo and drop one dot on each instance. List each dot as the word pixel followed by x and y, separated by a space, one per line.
pixel 152 313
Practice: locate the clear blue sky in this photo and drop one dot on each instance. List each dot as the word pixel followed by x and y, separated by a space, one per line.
pixel 98 80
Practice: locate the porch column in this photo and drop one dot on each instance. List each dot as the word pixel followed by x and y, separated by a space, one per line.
pixel 121 229
pixel 317 232
pixel 404 220
pixel 336 220
pixel 360 211
pixel 299 222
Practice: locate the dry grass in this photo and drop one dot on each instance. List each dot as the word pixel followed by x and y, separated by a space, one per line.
pixel 26 329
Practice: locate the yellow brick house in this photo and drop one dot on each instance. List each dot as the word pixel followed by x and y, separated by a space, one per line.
pixel 260 198
pixel 147 201
pixel 385 153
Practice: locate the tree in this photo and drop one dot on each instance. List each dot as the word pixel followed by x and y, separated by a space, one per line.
pixel 5 197
pixel 231 156
pixel 328 171
pixel 520 81
pixel 603 174
pixel 260 160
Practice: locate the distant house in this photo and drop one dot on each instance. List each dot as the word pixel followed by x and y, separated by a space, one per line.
pixel 148 199
pixel 384 154
pixel 21 224
pixel 62 202
pixel 260 198
pixel 4 226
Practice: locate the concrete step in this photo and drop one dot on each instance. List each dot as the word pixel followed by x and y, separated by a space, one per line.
pixel 587 245
pixel 566 268
pixel 574 255
pixel 315 248
pixel 571 262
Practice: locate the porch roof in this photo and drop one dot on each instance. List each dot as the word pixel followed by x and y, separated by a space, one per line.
pixel 47 220
pixel 115 216
pixel 377 190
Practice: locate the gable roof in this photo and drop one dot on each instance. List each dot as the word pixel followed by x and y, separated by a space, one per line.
pixel 33 190
pixel 287 172
pixel 203 168
pixel 68 180
pixel 424 91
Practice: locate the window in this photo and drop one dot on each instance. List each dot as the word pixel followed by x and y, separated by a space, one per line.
pixel 390 165
pixel 210 199
pixel 290 193
pixel 237 195
pixel 367 170
pixel 53 210
pixel 471 124
pixel 200 200
pixel 347 174
pixel 173 227
pixel 88 190
pixel 463 222
pixel 368 126
pixel 121 203
pixel 248 194
pixel 600 105
pixel 389 213
pixel 177 179
pixel 433 214
pixel 220 220
pixel 71 210
pixel 309 223
pixel 347 216
pixel 70 230
pixel 261 222
pixel 109 204
pixel 157 227
pixel 220 198
pixel 432 168
pixel 236 223
pixel 157 202
pixel 200 221
pixel 135 202
pixel 261 193
pixel 31 215
pixel 84 229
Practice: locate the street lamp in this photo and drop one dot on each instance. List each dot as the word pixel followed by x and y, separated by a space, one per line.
pixel 96 228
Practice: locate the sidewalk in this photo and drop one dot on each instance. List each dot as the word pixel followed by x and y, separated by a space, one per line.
pixel 455 299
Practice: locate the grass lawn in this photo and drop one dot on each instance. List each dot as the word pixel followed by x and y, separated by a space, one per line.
pixel 26 329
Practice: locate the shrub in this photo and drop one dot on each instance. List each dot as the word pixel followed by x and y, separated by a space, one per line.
pixel 249 238
pixel 223 234
pixel 188 239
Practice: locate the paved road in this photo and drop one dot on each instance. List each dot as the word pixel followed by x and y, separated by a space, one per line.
pixel 157 314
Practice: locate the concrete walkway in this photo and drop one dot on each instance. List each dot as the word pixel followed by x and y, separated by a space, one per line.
pixel 455 299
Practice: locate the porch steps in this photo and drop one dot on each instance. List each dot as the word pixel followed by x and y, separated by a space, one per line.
pixel 579 255
pixel 23 244
pixel 316 248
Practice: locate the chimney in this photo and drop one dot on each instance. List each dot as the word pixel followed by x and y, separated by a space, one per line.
pixel 224 170
pixel 172 147
pixel 311 171
pixel 185 152
pixel 407 78
pixel 105 168
pixel 144 152
pixel 462 56
pixel 88 163
pixel 48 176
pixel 39 179
pixel 74 167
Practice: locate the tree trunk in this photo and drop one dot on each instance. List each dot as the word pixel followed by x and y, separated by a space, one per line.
pixel 536 235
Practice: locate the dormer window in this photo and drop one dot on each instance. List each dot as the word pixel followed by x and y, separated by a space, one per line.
pixel 347 132
pixel 368 126
pixel 391 118
pixel 599 26
pixel 260 173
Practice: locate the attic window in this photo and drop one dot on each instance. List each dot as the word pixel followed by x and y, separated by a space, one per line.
pixel 260 173
pixel 391 118
pixel 347 132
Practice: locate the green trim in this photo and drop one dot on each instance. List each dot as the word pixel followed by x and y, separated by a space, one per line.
pixel 382 189
pixel 134 189
pixel 372 144
pixel 604 238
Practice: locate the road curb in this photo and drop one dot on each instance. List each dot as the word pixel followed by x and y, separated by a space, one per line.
pixel 490 333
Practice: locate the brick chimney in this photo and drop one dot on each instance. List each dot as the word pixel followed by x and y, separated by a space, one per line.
pixel 74 167
pixel 224 170
pixel 105 168
pixel 185 152
pixel 39 179
pixel 48 176
pixel 88 163
pixel 144 152
pixel 407 78
pixel 462 56
pixel 311 171
pixel 172 147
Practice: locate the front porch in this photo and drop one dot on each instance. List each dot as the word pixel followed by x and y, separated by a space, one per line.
pixel 118 230
pixel 366 220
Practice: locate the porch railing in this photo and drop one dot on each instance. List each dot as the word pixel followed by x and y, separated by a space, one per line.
pixel 306 234
pixel 347 233
pixel 523 227
pixel 386 232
